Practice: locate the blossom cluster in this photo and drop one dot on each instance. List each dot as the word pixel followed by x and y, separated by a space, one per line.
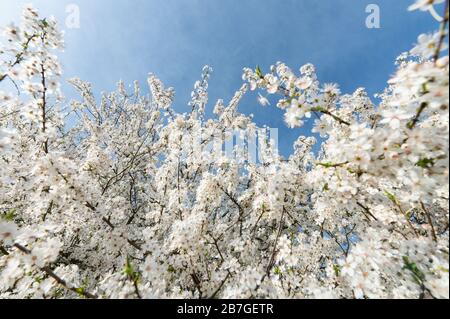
pixel 118 196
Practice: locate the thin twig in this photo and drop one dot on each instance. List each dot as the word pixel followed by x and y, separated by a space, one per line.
pixel 442 32
pixel 430 221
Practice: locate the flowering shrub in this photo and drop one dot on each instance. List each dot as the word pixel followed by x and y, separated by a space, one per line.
pixel 114 198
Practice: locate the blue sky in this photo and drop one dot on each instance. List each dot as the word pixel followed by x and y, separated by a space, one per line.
pixel 124 39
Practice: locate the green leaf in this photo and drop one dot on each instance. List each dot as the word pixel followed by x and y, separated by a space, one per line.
pixel 259 72
pixel 424 88
pixel 318 109
pixel 409 214
pixel 38 279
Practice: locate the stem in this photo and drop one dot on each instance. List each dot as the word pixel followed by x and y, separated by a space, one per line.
pixel 430 221
pixel 442 32
pixel 111 226
pixel 416 118
pixel 197 283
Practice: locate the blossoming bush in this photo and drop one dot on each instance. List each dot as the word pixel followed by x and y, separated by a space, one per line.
pixel 113 198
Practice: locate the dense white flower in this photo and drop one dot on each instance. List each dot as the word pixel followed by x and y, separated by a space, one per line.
pixel 118 195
